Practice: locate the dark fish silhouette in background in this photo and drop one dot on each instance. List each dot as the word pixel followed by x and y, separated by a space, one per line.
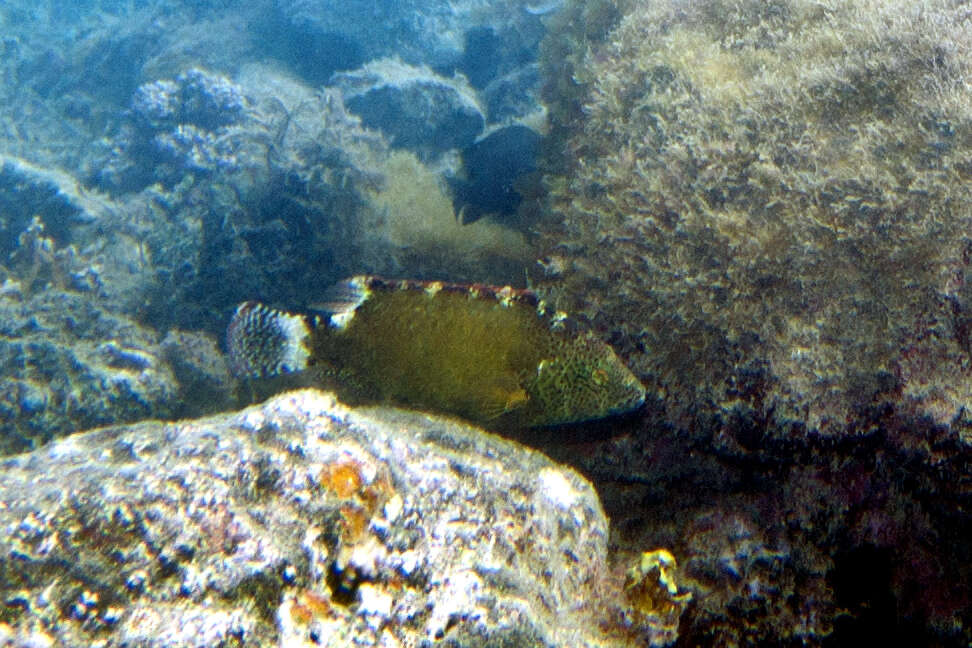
pixel 494 166
pixel 491 355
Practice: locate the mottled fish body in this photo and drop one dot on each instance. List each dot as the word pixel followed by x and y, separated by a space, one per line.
pixel 485 353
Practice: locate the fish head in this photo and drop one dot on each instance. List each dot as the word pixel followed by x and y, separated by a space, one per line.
pixel 585 380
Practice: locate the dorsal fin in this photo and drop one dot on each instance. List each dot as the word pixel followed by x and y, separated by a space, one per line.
pixel 342 299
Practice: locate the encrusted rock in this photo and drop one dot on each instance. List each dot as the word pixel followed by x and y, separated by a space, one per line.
pixel 28 191
pixel 67 364
pixel 300 521
pixel 205 384
pixel 413 106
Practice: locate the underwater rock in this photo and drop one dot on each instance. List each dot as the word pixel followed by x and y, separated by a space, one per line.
pixel 28 191
pixel 768 205
pixel 208 36
pixel 66 364
pixel 94 54
pixel 205 384
pixel 891 540
pixel 414 107
pixel 493 52
pixel 481 55
pixel 317 37
pixel 301 519
pixel 311 41
pixel 515 96
pixel 750 591
pixel 334 38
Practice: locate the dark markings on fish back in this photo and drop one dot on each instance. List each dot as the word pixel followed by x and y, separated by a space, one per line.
pixel 507 295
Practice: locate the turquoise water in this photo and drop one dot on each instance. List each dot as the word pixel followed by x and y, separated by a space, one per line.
pixel 763 207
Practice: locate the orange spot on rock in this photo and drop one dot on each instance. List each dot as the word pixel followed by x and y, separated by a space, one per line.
pixel 355 521
pixel 301 614
pixel 318 604
pixel 344 478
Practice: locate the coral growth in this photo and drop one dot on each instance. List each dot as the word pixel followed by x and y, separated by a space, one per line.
pixel 196 122
pixel 233 189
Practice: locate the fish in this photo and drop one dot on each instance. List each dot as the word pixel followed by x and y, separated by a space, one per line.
pixel 489 354
pixel 495 169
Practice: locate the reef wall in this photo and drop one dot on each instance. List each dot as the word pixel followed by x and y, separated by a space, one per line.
pixel 766 207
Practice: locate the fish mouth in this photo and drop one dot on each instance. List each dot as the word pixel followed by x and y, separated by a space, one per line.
pixel 638 401
pixel 635 402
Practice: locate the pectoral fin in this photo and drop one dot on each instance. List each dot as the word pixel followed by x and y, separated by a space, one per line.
pixel 502 401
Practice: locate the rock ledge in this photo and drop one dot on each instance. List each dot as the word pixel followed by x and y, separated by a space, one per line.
pixel 301 522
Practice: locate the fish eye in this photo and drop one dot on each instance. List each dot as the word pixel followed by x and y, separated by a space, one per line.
pixel 599 376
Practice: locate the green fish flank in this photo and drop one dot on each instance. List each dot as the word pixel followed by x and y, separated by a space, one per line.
pixel 490 355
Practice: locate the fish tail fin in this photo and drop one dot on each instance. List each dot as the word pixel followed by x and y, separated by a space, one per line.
pixel 262 341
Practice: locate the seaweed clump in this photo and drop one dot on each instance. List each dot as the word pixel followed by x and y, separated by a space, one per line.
pixel 770 202
pixel 412 224
pixel 767 206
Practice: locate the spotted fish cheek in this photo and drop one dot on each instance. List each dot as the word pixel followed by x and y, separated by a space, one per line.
pixel 567 389
pixel 614 388
pixel 600 377
pixel 547 393
pixel 592 390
